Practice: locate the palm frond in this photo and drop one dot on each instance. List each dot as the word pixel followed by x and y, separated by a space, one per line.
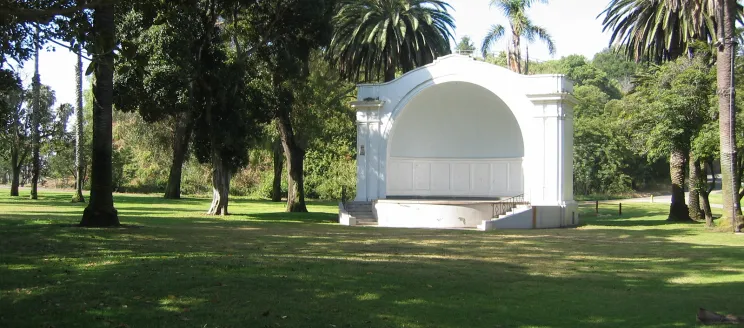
pixel 493 36
pixel 372 36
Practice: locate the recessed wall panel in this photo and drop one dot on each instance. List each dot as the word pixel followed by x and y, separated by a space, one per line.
pixel 500 177
pixel 437 177
pixel 440 178
pixel 422 176
pixel 481 178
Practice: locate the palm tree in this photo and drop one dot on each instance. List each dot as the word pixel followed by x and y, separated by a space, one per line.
pixel 35 119
pixel 100 211
pixel 375 38
pixel 661 30
pixel 521 27
pixel 79 161
pixel 728 13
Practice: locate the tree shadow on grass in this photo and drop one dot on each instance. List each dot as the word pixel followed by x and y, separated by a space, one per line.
pixel 264 269
pixel 317 276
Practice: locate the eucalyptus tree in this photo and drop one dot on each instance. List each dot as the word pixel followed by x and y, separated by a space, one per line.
pixel 375 38
pixel 154 77
pixel 674 102
pixel 15 125
pixel 215 78
pixel 306 26
pixel 705 147
pixel 521 26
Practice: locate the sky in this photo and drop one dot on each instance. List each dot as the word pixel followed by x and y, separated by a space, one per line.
pixel 573 24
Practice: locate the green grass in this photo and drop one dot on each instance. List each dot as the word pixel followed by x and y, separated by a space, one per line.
pixel 716 198
pixel 175 267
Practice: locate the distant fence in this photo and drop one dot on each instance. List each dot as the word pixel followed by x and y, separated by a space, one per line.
pixel 615 207
pixel 464 52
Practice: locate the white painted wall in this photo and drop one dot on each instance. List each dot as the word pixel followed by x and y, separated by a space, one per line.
pixel 423 215
pixel 456 120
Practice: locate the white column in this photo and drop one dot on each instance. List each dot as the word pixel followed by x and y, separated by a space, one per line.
pixel 552 169
pixel 568 151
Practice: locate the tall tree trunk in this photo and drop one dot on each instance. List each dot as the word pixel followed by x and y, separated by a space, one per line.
pixel 390 72
pixel 100 211
pixel 527 59
pixel 276 188
pixel 295 161
pixel 220 169
pixel 739 176
pixel 678 210
pixel 79 141
pixel 181 140
pixel 694 186
pixel 15 182
pixel 727 110
pixel 15 166
pixel 220 185
pixel 514 55
pixel 35 119
pixel 705 193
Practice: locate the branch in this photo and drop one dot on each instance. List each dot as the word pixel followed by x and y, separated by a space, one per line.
pixel 36 15
pixel 23 156
pixel 70 48
pixel 709 166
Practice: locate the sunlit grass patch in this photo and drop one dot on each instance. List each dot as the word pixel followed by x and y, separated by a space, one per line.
pixel 174 266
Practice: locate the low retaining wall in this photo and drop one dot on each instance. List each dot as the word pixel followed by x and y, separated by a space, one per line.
pixel 469 215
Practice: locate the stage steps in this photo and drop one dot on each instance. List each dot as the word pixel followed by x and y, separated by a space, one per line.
pixel 520 217
pixel 362 212
pixel 518 208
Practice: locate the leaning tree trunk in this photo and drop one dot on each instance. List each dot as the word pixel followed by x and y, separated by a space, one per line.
pixel 35 119
pixel 220 168
pixel 79 141
pixel 181 140
pixel 678 210
pixel 220 185
pixel 727 110
pixel 100 211
pixel 295 161
pixel 694 186
pixel 276 187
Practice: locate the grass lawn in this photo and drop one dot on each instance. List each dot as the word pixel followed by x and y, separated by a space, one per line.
pixel 175 267
pixel 716 198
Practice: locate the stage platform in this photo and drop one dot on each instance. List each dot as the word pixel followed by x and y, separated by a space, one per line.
pixel 457 213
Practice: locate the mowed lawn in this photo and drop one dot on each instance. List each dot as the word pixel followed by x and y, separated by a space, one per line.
pixel 172 266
